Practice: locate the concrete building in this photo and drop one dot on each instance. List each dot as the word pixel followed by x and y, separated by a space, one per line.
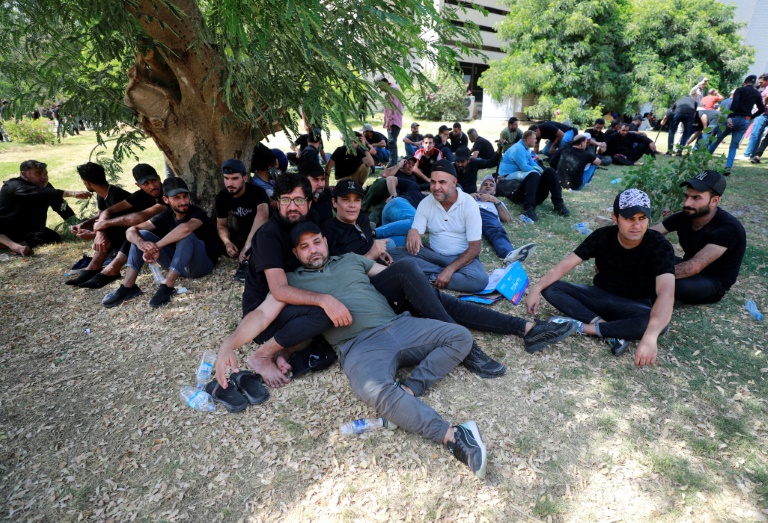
pixel 755 15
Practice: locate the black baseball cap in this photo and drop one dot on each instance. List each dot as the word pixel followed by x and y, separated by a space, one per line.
pixel 462 153
pixel 444 166
pixel 174 186
pixel 411 157
pixel 707 181
pixel 637 117
pixel 414 124
pixel 345 187
pixel 630 202
pixel 303 228
pixel 143 172
pixel 750 79
pixel 233 166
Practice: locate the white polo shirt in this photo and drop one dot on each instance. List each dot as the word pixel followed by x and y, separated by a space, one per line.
pixel 449 231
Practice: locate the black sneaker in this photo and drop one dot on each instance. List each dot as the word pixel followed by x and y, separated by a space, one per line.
pixel 241 272
pixel 483 365
pixel 162 296
pixel 561 210
pixel 727 172
pixel 469 448
pixel 617 345
pixel 531 213
pixel 544 333
pixel 755 159
pixel 99 281
pixel 123 293
pixel 83 277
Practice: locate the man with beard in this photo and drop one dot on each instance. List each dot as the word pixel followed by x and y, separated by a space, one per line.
pixel 510 135
pixel 137 208
pixel 247 205
pixel 467 168
pixel 713 241
pixel 185 244
pixel 321 195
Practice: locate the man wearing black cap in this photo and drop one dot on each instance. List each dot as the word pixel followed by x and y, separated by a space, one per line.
pixel 247 205
pixel 136 208
pixel 24 203
pixel 413 141
pixel 467 168
pixel 713 241
pixel 185 244
pixel 634 289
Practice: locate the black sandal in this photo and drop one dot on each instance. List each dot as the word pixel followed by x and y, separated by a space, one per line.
pixel 250 385
pixel 230 398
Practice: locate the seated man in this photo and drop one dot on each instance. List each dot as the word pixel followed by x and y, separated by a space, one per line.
pixel 596 144
pixel 457 138
pixel 310 157
pixel 413 141
pixel 452 218
pixel 713 241
pixel 185 245
pixel 627 148
pixel 400 210
pixel 481 148
pixel 493 212
pixel 351 160
pixel 263 162
pixel 577 165
pixel 558 134
pixel 467 167
pixel 378 141
pixel 298 146
pixel 24 203
pixel 105 242
pixel 535 183
pixel 247 206
pixel 136 208
pixel 634 289
pixel 321 195
pixel 426 157
pixel 443 144
pixel 510 135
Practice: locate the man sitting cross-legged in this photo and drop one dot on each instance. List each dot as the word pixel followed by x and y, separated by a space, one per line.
pixel 634 289
pixel 136 208
pixel 185 244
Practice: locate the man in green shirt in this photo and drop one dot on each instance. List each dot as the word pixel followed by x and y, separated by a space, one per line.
pixel 511 135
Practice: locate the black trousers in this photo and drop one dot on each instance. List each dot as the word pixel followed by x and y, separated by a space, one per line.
pixel 535 188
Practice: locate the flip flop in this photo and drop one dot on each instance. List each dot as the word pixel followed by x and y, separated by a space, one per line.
pixel 230 397
pixel 250 385
pixel 318 356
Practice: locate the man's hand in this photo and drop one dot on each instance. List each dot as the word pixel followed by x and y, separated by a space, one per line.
pixel 336 311
pixel 231 249
pixel 482 197
pixel 729 122
pixel 101 243
pixel 99 225
pixel 378 249
pixel 226 358
pixel 244 252
pixel 413 242
pixel 444 278
pixel 652 146
pixel 82 195
pixel 646 352
pixel 532 300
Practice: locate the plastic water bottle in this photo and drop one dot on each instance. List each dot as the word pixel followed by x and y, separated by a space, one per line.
pixel 616 181
pixel 157 274
pixel 363 425
pixel 205 369
pixel 197 399
pixel 4 257
pixel 580 225
pixel 751 306
pixel 523 218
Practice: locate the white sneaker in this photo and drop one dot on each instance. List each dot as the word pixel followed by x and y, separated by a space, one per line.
pixel 520 254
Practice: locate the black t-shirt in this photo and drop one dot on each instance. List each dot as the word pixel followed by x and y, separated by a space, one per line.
pixel 415 137
pixel 596 136
pixel 243 209
pixel 549 130
pixel 347 163
pixel 272 249
pixel 375 138
pixel 141 201
pixel 409 190
pixel 428 160
pixel 24 207
pixel 468 177
pixel 487 151
pixel 685 105
pixel 166 221
pixel 723 230
pixel 630 273
pixel 115 195
pixel 570 169
pixel 323 206
pixel 617 144
pixel 309 156
pixel 346 237
pixel 454 142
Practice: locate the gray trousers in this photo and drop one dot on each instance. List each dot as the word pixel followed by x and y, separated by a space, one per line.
pixel 371 360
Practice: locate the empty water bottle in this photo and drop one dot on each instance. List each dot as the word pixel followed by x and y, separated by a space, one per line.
pixel 580 225
pixel 751 306
pixel 157 274
pixel 523 218
pixel 363 425
pixel 197 399
pixel 616 181
pixel 205 369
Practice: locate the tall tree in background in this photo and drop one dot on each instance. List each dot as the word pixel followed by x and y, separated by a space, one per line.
pixel 617 53
pixel 208 79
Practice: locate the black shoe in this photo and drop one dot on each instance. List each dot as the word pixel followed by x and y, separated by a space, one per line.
pixel 531 213
pixel 83 277
pixel 617 345
pixel 483 365
pixel 241 272
pixel 99 281
pixel 755 159
pixel 162 295
pixel 727 172
pixel 469 448
pixel 123 293
pixel 543 334
pixel 561 210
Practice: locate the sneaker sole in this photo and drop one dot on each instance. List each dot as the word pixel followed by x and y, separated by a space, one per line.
pixel 472 426
pixel 543 344
pixel 521 254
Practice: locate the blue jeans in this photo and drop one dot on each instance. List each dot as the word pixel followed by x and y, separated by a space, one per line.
pixel 397 220
pixel 758 126
pixel 410 150
pixel 392 133
pixel 470 278
pixel 382 154
pixel 677 119
pixel 186 257
pixel 447 154
pixel 704 138
pixel 495 234
pixel 740 126
pixel 567 138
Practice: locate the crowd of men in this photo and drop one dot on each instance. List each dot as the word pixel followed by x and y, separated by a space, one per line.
pixel 324 281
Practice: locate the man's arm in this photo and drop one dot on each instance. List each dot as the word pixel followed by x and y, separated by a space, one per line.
pixel 558 138
pixel 262 214
pixel 127 220
pixel 700 261
pixel 464 259
pixel 282 291
pixel 661 314
pixel 420 174
pixel 555 274
pixel 329 166
pixel 391 171
pixel 223 230
pixel 379 251
pixel 179 232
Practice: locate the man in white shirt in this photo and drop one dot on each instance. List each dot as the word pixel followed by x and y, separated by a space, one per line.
pixel 452 218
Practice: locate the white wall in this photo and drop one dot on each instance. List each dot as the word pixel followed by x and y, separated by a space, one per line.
pixel 755 14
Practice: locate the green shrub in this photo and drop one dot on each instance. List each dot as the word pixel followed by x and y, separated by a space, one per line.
pixel 30 131
pixel 571 109
pixel 445 101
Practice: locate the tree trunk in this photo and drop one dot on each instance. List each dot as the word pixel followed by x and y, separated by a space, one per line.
pixel 175 90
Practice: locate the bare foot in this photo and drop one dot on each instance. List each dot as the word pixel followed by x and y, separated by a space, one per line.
pixel 270 373
pixel 282 363
pixel 638 164
pixel 22 249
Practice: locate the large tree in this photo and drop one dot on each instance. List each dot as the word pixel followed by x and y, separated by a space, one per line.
pixel 208 79
pixel 616 53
